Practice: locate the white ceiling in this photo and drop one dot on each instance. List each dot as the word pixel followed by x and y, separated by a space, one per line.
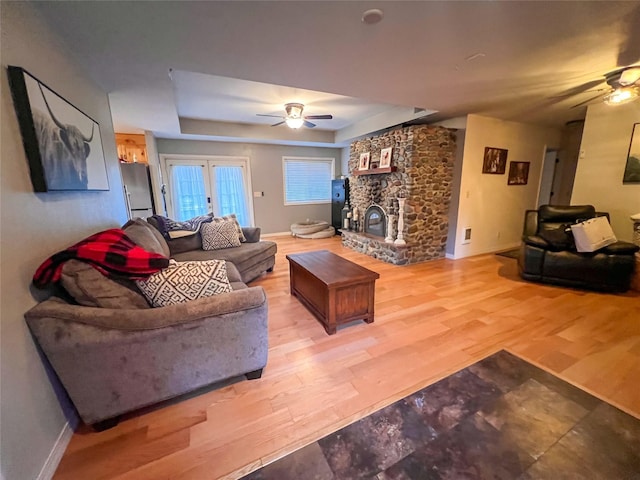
pixel 539 59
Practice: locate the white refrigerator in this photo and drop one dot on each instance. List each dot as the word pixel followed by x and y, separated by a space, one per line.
pixel 137 189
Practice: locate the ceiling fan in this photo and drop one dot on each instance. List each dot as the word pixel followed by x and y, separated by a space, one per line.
pixel 624 87
pixel 294 117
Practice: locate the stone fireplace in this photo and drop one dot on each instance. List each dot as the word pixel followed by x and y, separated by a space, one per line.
pixel 421 173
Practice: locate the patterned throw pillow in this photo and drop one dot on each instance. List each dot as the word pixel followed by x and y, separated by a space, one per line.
pixel 219 235
pixel 232 218
pixel 184 281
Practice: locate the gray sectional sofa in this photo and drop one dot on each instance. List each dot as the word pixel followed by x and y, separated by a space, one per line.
pixel 252 258
pixel 115 360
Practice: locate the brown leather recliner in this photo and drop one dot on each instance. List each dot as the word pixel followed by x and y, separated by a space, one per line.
pixel 548 256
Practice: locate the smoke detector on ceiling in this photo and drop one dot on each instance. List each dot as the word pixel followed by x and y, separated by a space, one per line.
pixel 372 16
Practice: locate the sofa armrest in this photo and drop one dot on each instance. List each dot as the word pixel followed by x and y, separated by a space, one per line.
pixel 252 234
pixel 151 318
pixel 530 223
pixel 113 361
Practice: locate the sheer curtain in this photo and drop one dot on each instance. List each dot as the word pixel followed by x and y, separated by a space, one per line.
pixel 189 196
pixel 230 193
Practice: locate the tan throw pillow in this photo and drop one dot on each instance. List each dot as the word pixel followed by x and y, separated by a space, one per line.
pixel 184 281
pixel 91 288
pixel 232 218
pixel 146 236
pixel 219 235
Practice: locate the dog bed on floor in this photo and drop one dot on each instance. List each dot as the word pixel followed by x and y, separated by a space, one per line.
pixel 309 227
pixel 326 233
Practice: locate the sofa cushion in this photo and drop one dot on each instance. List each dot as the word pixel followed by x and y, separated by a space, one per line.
pixel 184 281
pixel 243 257
pixel 234 220
pixel 251 234
pixel 232 273
pixel 218 235
pixel 91 288
pixel 146 236
pixel 178 245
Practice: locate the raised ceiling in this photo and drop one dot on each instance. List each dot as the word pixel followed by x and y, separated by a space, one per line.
pixel 521 61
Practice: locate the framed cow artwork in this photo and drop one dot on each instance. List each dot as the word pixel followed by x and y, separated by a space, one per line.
pixel 62 144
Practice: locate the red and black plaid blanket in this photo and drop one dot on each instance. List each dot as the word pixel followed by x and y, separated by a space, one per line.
pixel 111 252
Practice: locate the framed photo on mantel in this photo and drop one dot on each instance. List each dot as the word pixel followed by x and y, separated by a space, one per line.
pixel 385 157
pixel 364 161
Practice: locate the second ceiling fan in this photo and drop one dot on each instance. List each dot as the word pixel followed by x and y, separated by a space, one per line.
pixel 294 117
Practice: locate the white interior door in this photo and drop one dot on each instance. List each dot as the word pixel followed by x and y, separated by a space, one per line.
pixel 218 185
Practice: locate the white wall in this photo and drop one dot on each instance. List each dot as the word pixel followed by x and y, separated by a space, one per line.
pixel 605 144
pixel 455 192
pixel 271 215
pixel 34 226
pixel 493 209
pixel 344 160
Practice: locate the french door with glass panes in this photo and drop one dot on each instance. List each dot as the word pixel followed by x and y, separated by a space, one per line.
pixel 218 185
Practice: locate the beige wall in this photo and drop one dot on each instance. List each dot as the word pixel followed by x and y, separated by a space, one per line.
pixel 270 213
pixel 34 226
pixel 604 148
pixel 493 209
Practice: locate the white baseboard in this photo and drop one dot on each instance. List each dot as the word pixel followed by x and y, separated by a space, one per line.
pixel 277 234
pixel 450 256
pixel 49 467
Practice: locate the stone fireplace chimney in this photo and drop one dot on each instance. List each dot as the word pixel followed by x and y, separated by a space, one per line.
pixel 421 172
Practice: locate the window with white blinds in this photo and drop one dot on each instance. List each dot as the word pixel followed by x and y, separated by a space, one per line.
pixel 307 180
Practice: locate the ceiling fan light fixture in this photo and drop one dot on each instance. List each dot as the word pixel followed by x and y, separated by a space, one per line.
pixel 294 122
pixel 621 95
pixel 294 110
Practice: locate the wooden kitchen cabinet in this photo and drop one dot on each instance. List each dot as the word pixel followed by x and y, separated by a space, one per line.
pixel 131 148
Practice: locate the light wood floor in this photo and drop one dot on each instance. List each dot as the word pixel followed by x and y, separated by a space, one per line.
pixel 432 319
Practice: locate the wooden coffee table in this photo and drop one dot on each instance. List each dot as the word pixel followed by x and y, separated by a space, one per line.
pixel 334 289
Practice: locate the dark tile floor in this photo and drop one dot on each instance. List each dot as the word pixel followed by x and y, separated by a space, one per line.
pixel 501 418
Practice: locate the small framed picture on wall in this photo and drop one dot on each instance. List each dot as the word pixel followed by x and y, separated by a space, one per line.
pixel 518 173
pixel 632 168
pixel 495 160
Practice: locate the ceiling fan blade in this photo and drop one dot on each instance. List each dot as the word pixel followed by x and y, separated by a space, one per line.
pixel 276 124
pixel 274 116
pixel 319 117
pixel 578 89
pixel 309 124
pixel 629 52
pixel 630 76
pixel 587 101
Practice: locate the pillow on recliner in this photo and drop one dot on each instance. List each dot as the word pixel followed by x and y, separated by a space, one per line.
pixel 559 238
